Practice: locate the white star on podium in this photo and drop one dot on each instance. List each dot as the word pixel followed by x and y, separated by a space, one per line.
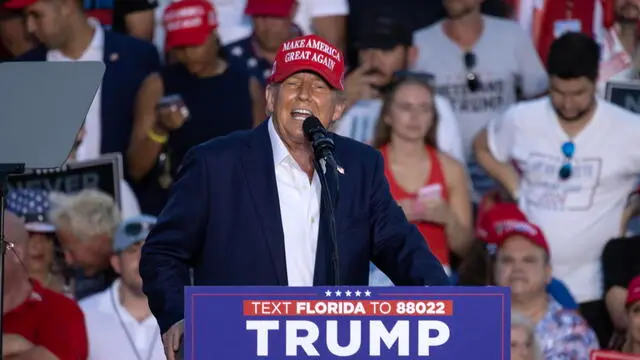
pixel 338 293
pixel 367 293
pixel 327 293
pixel 347 293
pixel 358 293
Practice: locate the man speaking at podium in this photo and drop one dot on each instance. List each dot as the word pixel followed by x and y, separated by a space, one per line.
pixel 245 208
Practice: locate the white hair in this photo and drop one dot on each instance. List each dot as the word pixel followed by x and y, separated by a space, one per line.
pixel 86 214
pixel 520 321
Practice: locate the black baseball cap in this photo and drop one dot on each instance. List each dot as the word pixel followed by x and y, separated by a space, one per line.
pixel 383 32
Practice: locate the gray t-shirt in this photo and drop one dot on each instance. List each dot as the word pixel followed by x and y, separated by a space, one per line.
pixel 505 61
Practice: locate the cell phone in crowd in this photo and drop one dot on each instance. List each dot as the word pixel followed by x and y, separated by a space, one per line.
pixel 170 100
pixel 433 191
pixel 174 100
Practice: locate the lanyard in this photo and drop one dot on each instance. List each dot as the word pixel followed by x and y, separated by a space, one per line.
pixel 126 332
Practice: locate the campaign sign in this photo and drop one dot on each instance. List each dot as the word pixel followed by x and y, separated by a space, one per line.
pixel 103 173
pixel 612 355
pixel 625 94
pixel 249 323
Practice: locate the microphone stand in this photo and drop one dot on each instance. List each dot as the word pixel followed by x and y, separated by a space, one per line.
pixel 5 171
pixel 329 196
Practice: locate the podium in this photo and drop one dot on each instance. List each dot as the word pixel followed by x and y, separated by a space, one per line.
pixel 243 323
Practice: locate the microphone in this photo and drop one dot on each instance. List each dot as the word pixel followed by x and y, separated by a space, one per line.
pixel 321 143
pixel 323 147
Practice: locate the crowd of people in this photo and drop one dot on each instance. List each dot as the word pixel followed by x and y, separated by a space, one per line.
pixel 489 115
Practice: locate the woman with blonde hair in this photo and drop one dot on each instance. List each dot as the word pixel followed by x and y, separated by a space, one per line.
pixel 430 186
pixel 524 345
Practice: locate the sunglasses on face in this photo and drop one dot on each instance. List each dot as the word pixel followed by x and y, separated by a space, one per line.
pixel 568 150
pixel 135 229
pixel 473 82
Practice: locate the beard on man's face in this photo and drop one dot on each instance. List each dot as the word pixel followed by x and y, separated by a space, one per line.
pixel 577 116
pixel 381 79
pixel 375 72
pixel 386 79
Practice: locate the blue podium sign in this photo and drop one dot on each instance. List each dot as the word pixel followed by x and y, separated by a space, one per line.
pixel 249 323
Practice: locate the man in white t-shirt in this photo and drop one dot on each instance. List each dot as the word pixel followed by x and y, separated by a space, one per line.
pixel 577 159
pixel 385 48
pixel 481 64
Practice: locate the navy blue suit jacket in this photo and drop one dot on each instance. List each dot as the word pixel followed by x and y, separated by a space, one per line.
pixel 223 219
pixel 128 62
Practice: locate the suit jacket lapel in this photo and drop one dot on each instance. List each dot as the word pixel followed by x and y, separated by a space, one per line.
pixel 257 162
pixel 111 58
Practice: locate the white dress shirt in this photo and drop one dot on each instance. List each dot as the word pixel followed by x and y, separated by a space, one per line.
pixel 108 339
pixel 90 146
pixel 299 210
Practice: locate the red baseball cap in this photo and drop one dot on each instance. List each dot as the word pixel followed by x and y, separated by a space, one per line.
pixel 501 221
pixel 309 53
pixel 18 4
pixel 275 8
pixel 633 294
pixel 189 22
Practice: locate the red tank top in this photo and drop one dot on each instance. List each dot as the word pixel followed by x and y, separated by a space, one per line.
pixel 434 234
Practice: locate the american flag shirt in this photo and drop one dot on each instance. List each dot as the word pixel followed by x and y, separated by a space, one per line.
pixel 31 205
pixel 564 334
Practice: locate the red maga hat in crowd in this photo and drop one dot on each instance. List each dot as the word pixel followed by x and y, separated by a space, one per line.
pixel 275 8
pixel 19 4
pixel 309 53
pixel 633 294
pixel 189 22
pixel 503 220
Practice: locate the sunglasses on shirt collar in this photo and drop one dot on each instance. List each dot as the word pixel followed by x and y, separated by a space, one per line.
pixel 568 150
pixel 470 61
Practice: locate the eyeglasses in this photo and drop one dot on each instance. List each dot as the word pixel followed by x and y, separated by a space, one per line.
pixel 135 229
pixel 568 150
pixel 473 82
